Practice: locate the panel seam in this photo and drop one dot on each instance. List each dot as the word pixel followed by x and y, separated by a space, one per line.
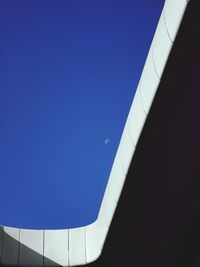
pixel 68 249
pixel 43 245
pixel 164 16
pixel 142 101
pixel 85 247
pixel 131 135
pixel 19 245
pixel 154 63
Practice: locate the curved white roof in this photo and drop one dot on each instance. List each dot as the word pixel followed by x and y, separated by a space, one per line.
pixel 79 246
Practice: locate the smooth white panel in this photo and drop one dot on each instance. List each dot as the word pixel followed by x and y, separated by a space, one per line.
pixel 127 149
pixel 93 250
pixel 174 10
pixel 56 247
pixel 77 246
pixel 136 117
pixel 149 82
pixel 32 239
pixel 10 250
pixel 102 229
pixel 31 248
pixel 109 203
pixel 13 232
pixel 161 46
pixel 117 176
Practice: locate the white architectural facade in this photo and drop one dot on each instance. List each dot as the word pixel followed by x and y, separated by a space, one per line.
pixel 83 245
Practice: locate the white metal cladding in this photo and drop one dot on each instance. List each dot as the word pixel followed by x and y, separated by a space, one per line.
pixel 116 179
pixel 173 12
pixel 31 247
pixel 83 245
pixel 77 246
pixel 56 247
pixel 136 117
pixel 126 149
pixel 161 46
pixel 92 252
pixel 148 83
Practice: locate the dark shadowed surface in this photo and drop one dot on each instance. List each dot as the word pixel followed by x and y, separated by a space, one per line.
pixel 157 221
pixel 12 253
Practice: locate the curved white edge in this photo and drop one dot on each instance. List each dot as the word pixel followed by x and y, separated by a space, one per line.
pixel 148 83
pixel 136 117
pixel 161 46
pixel 93 247
pixel 79 246
pixel 126 149
pixel 173 13
pixel 115 182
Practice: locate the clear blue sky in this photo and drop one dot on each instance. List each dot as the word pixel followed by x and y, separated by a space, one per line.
pixel 68 74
